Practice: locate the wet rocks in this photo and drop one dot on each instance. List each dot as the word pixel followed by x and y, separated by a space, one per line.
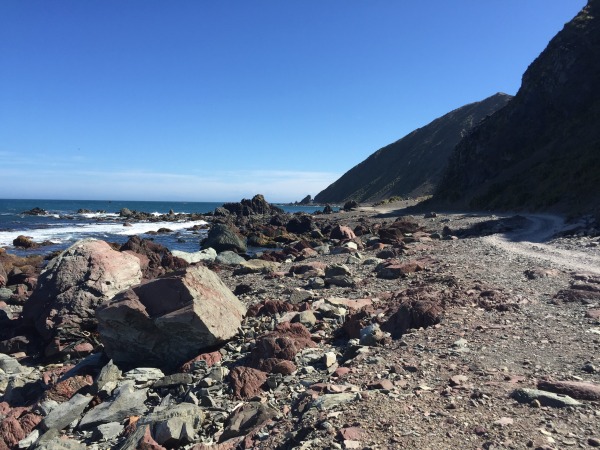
pixel 75 283
pixel 166 321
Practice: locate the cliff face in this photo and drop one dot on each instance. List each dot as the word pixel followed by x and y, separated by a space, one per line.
pixel 413 165
pixel 542 151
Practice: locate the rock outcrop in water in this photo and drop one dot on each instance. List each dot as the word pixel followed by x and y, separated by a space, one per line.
pixel 256 206
pixel 543 149
pixel 413 165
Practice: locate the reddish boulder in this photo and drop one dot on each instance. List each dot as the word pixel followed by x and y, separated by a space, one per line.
pixel 414 308
pixel 247 382
pixel 280 345
pixel 165 322
pixel 342 233
pixel 74 284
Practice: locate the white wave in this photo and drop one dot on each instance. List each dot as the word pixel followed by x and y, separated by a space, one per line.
pixel 97 215
pixel 72 232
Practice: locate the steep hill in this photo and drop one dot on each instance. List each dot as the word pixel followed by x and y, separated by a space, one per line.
pixel 542 151
pixel 413 165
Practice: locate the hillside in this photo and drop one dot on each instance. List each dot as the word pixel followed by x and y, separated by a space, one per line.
pixel 413 165
pixel 541 152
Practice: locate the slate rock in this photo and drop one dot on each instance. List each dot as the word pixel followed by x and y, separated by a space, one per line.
pixel 251 416
pixel 126 401
pixel 176 425
pixel 65 413
pixel 229 258
pixel 165 322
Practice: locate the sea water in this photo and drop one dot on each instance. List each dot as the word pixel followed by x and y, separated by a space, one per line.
pixel 63 225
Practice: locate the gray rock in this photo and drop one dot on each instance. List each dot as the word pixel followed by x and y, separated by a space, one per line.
pixel 143 375
pixel 316 283
pixel 545 398
pixel 165 322
pixel 341 281
pixel 126 401
pixel 334 270
pixel 74 283
pixel 229 258
pixel 331 401
pixel 222 238
pixel 175 379
pixel 10 365
pixel 107 431
pixel 250 416
pixel 176 425
pixel 306 318
pixel 207 255
pixel 65 413
pixel 110 373
pixel 256 266
pixel 29 440
pixel 299 296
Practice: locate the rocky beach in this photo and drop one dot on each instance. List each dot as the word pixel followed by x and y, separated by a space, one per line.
pixel 370 328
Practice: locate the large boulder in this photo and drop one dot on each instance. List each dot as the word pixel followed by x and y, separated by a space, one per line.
pixel 75 283
pixel 167 321
pixel 221 237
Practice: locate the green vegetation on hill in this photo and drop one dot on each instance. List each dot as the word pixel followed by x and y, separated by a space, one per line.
pixel 413 165
pixel 542 151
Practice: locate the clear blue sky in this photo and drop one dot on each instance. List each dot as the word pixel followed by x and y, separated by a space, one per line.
pixel 218 100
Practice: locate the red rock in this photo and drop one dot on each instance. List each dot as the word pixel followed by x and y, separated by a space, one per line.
pixel 341 371
pixel 64 390
pixel 382 384
pixel 83 349
pixel 16 425
pixel 342 233
pixel 393 269
pixel 579 390
pixel 210 359
pixel 246 381
pixel 283 367
pixel 351 433
pixel 593 314
pixel 269 307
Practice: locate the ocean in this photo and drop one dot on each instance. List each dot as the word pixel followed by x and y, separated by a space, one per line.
pixel 63 225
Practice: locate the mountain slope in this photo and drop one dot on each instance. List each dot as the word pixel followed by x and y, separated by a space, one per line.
pixel 413 165
pixel 543 150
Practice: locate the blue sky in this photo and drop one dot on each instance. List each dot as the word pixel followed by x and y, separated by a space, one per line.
pixel 204 100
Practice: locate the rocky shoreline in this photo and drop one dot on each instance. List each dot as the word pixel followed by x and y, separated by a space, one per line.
pixel 356 329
